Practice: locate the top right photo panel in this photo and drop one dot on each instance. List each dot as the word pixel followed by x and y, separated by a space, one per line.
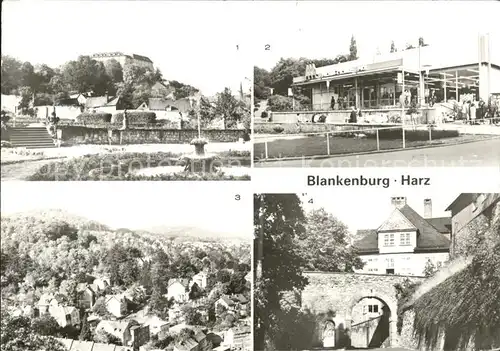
pixel 377 84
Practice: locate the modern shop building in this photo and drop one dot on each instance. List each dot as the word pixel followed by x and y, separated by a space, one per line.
pixel 429 73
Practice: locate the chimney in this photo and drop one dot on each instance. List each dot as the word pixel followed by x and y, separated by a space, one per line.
pixel 398 202
pixel 427 208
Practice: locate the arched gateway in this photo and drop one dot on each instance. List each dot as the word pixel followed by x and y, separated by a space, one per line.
pixel 361 307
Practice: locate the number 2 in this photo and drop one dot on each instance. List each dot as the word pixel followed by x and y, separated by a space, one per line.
pixel 267 47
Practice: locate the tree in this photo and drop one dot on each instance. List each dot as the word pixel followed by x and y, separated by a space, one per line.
pixel 195 292
pixel 86 74
pixel 85 333
pixel 325 246
pixel 191 315
pixel 104 337
pixel 26 102
pixel 184 335
pixel 114 70
pixel 16 333
pixel 11 74
pixel 45 325
pixel 223 276
pixel 393 47
pixel 281 219
pixel 353 49
pixel 228 107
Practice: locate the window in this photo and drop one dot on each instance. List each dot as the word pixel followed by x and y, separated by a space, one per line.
pixel 390 262
pixel 389 271
pixel 373 308
pixel 404 239
pixel 389 239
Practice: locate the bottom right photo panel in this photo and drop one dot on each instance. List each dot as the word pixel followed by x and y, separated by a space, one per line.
pixel 377 270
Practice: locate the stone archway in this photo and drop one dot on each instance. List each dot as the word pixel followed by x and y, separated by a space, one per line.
pixel 388 316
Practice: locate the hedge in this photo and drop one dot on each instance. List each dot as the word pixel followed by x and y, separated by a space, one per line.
pixel 94 118
pixel 135 117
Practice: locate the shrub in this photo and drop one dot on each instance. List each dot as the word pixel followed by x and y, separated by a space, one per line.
pixel 94 118
pixel 135 117
pixel 414 135
pixel 264 114
pixel 278 129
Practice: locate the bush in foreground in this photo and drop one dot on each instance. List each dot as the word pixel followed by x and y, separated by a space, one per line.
pixel 94 118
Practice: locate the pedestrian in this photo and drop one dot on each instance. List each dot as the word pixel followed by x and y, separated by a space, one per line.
pixel 465 111
pixel 353 118
pixel 332 103
pixel 125 119
pixel 480 109
pixel 473 112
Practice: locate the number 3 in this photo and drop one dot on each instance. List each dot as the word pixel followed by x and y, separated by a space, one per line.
pixel 237 197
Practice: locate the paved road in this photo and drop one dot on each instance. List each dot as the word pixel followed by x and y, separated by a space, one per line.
pixel 476 154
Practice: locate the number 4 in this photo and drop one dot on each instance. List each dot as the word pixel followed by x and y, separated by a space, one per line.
pixel 310 201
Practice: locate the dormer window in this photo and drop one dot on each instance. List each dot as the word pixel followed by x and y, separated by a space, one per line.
pixel 389 239
pixel 404 239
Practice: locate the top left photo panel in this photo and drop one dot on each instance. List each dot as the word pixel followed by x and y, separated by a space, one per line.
pixel 102 91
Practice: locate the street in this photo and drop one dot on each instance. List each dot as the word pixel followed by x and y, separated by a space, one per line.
pixel 476 154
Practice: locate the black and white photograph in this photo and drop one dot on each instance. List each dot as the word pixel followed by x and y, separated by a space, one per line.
pixel 103 266
pixel 124 90
pixel 372 270
pixel 364 84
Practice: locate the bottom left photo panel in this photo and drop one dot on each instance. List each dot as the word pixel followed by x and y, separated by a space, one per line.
pixel 126 266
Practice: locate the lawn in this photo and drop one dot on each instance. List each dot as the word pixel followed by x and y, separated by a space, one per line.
pixel 315 145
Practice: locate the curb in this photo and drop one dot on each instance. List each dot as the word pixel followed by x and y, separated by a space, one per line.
pixel 321 157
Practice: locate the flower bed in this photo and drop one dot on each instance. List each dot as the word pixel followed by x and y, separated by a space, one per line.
pixel 120 166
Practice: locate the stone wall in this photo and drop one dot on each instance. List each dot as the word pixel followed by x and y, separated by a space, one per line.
pixel 75 135
pixel 468 234
pixel 340 292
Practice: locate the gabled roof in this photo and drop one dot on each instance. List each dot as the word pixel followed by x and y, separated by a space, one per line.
pixel 396 221
pixel 113 102
pixel 428 237
pixel 97 101
pixel 227 300
pixel 442 224
pixel 182 281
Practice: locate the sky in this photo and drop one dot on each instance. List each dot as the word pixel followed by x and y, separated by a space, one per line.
pixel 362 209
pixel 213 44
pixel 319 29
pixel 139 205
pixel 192 42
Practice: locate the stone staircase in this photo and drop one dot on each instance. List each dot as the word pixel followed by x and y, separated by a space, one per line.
pixel 31 138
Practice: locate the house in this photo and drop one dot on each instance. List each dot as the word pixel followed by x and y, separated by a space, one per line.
pixel 117 305
pixel 86 296
pixel 100 284
pixel 81 98
pixel 47 301
pixel 157 326
pixel 178 290
pixel 405 242
pixel 200 279
pixel 183 105
pixel 65 315
pixel 469 211
pixel 105 104
pixel 130 333
pixel 238 338
pixel 224 302
pixel 198 342
pixel 162 89
pixel 248 277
